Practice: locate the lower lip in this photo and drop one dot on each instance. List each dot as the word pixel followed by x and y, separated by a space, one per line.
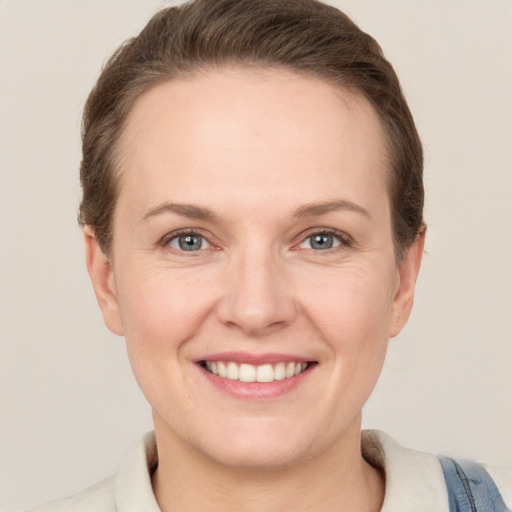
pixel 256 390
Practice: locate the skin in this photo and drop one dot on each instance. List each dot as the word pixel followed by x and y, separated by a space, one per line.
pixel 255 147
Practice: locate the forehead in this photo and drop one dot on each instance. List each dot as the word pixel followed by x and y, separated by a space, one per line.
pixel 252 128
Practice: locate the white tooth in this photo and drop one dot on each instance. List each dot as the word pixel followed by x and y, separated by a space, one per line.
pixel 208 366
pixel 265 373
pixel 279 371
pixel 304 366
pixel 247 373
pixel 290 370
pixel 232 371
pixel 298 368
pixel 221 367
pixel 214 368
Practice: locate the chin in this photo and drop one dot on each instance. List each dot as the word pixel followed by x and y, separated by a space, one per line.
pixel 260 448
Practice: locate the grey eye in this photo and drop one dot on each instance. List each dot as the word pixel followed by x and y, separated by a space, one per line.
pixel 189 242
pixel 321 241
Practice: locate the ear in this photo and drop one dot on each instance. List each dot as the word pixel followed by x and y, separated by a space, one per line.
pixel 102 277
pixel 407 275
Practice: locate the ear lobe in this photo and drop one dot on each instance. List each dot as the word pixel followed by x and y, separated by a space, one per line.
pixel 102 277
pixel 407 275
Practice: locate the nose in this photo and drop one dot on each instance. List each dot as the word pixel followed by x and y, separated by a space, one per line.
pixel 258 296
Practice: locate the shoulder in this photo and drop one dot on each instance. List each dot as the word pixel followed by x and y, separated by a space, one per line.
pixel 99 498
pixel 130 489
pixel 415 480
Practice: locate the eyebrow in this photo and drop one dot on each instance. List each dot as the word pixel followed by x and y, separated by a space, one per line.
pixel 305 211
pixel 317 209
pixel 185 210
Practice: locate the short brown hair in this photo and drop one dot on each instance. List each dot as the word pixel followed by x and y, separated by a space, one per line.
pixel 305 36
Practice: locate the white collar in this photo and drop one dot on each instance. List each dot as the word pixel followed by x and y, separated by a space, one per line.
pixel 133 489
pixel 414 480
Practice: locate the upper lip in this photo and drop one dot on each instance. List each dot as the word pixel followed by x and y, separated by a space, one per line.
pixel 255 359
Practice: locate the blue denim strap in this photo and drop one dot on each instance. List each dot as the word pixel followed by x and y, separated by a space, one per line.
pixel 470 487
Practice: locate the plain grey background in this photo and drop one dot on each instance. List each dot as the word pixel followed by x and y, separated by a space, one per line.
pixel 69 405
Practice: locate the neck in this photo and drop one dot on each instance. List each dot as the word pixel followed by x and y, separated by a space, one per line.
pixel 338 479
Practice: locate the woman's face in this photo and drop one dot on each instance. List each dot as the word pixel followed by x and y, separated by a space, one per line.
pixel 253 234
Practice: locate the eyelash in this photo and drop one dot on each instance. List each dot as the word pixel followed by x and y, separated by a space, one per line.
pixel 345 241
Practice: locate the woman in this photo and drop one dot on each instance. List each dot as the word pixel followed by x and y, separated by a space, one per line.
pixel 252 213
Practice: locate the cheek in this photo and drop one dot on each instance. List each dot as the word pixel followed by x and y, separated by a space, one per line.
pixel 163 309
pixel 351 313
pixel 353 304
pixel 161 312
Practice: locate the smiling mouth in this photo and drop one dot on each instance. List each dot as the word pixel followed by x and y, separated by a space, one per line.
pixel 245 372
